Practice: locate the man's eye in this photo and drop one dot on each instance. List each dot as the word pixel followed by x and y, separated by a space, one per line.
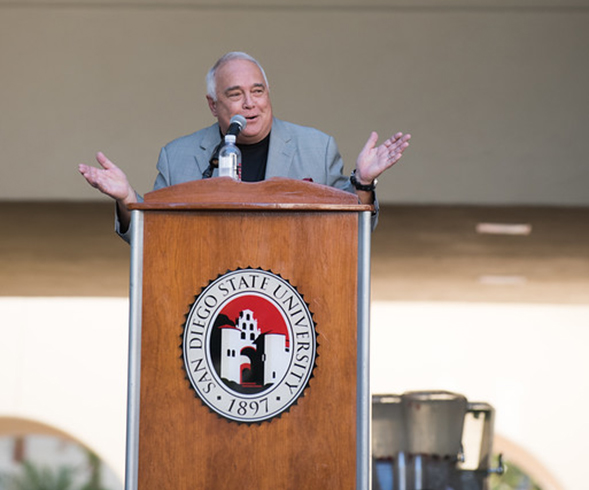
pixel 234 95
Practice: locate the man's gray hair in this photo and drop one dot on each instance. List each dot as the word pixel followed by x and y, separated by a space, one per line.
pixel 233 55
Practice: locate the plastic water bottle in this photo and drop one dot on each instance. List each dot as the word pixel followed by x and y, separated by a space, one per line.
pixel 230 159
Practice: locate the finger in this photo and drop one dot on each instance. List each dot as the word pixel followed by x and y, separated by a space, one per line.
pixel 371 143
pixel 405 140
pixel 397 139
pixel 104 162
pixel 89 173
pixel 399 145
pixel 393 139
pixel 394 156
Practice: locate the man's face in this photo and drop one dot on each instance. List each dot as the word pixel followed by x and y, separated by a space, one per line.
pixel 241 89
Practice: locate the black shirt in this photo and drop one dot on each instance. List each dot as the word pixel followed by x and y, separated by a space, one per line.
pixel 253 160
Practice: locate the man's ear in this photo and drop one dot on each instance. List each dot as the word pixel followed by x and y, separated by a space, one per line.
pixel 212 105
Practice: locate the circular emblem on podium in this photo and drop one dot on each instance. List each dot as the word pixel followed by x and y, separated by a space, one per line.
pixel 249 345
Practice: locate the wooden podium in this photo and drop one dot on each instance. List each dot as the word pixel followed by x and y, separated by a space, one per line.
pixel 202 250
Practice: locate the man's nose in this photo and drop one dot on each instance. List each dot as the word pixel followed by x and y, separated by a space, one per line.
pixel 248 101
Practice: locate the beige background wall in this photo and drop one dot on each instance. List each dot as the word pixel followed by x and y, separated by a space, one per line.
pixel 494 92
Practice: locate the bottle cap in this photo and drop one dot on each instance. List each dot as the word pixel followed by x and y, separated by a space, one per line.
pixel 230 138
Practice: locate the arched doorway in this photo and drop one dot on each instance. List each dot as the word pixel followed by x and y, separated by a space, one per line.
pixel 33 453
pixel 523 470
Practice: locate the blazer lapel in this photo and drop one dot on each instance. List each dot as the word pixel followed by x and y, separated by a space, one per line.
pixel 210 139
pixel 280 152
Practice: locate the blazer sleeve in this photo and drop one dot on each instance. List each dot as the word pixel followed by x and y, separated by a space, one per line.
pixel 162 180
pixel 336 177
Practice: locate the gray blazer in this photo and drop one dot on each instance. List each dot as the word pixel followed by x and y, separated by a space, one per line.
pixel 295 152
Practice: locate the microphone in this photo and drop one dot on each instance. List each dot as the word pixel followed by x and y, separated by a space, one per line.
pixel 236 124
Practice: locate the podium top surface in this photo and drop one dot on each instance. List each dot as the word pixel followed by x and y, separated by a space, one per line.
pixel 277 193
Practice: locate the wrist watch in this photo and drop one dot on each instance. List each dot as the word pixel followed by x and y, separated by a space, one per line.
pixel 362 187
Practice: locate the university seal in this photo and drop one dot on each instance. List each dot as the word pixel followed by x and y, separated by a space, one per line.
pixel 249 345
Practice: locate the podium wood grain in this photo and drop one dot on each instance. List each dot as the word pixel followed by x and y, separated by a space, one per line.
pixel 182 444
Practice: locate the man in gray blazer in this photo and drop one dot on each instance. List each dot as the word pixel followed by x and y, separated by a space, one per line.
pixel 237 84
pixel 294 151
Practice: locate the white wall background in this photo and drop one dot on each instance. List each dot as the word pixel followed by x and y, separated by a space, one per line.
pixel 527 361
pixel 68 370
pixel 494 92
pixel 63 363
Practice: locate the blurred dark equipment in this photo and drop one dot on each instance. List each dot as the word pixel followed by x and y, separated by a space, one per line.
pixel 431 440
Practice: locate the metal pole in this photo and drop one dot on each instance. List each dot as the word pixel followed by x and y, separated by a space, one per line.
pixel 364 405
pixel 418 472
pixel 401 472
pixel 134 367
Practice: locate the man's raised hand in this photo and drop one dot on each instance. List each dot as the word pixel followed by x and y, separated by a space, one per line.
pixel 374 160
pixel 109 180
